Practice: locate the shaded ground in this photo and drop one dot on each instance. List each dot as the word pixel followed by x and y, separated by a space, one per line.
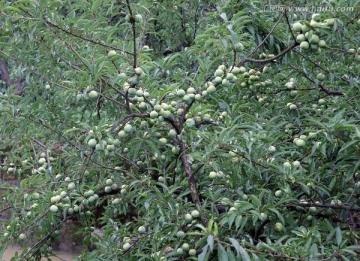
pixel 61 256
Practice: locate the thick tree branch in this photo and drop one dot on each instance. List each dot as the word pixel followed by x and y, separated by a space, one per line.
pixel 5 76
pixel 190 174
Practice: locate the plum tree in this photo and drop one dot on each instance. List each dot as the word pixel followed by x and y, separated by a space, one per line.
pixel 193 130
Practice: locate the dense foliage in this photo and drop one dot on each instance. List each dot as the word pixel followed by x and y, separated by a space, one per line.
pixel 183 130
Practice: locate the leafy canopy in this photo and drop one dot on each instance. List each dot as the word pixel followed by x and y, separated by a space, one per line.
pixel 184 130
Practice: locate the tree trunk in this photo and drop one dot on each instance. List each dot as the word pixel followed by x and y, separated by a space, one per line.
pixel 5 76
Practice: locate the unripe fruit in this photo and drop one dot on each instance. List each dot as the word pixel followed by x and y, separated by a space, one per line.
pixel 313 23
pixel 22 236
pixel 320 76
pixel 92 143
pixel 217 80
pixel 126 246
pixel 287 164
pixel 190 122
pixel 330 21
pixel 116 201
pixel 109 182
pixel 314 39
pixel 292 107
pixel 41 161
pixel 180 234
pixel 222 67
pixel 263 216
pixel 185 246
pixel 304 45
pixel 141 229
pixel 186 98
pixel 172 133
pixel 153 114
pixel 225 82
pixel 239 47
pixel 180 93
pixel 192 252
pixel 279 226
pixel 272 149
pixel 296 163
pixel 111 53
pixel 180 251
pixel 54 208
pixel 300 142
pixel 138 70
pixel 93 94
pixel 322 43
pixel 304 28
pixel 212 175
pixel 236 70
pixel 198 97
pixel 211 89
pixel 195 214
pixel 322 101
pixel 71 186
pixel 312 209
pixel 300 38
pixel 188 218
pixel 278 193
pixel 190 90
pixel 99 147
pixel 297 26
pixel 132 91
pixel 122 134
pixel 218 73
pixel 163 140
pixel 138 18
pixel 107 189
pixel 128 128
pixel 175 150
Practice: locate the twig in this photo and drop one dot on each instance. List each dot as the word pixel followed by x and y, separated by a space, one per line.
pixel 248 59
pixel 130 116
pixel 321 85
pixel 288 23
pixel 43 240
pixel 84 38
pixel 266 37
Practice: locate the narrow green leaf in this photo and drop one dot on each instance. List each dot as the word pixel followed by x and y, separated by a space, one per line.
pixel 222 255
pixel 210 242
pixel 338 234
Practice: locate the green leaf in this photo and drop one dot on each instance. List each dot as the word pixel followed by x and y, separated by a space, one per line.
pixel 202 256
pixel 222 255
pixel 338 234
pixel 210 242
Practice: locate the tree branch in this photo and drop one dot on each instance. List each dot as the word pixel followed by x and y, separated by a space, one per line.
pixel 248 59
